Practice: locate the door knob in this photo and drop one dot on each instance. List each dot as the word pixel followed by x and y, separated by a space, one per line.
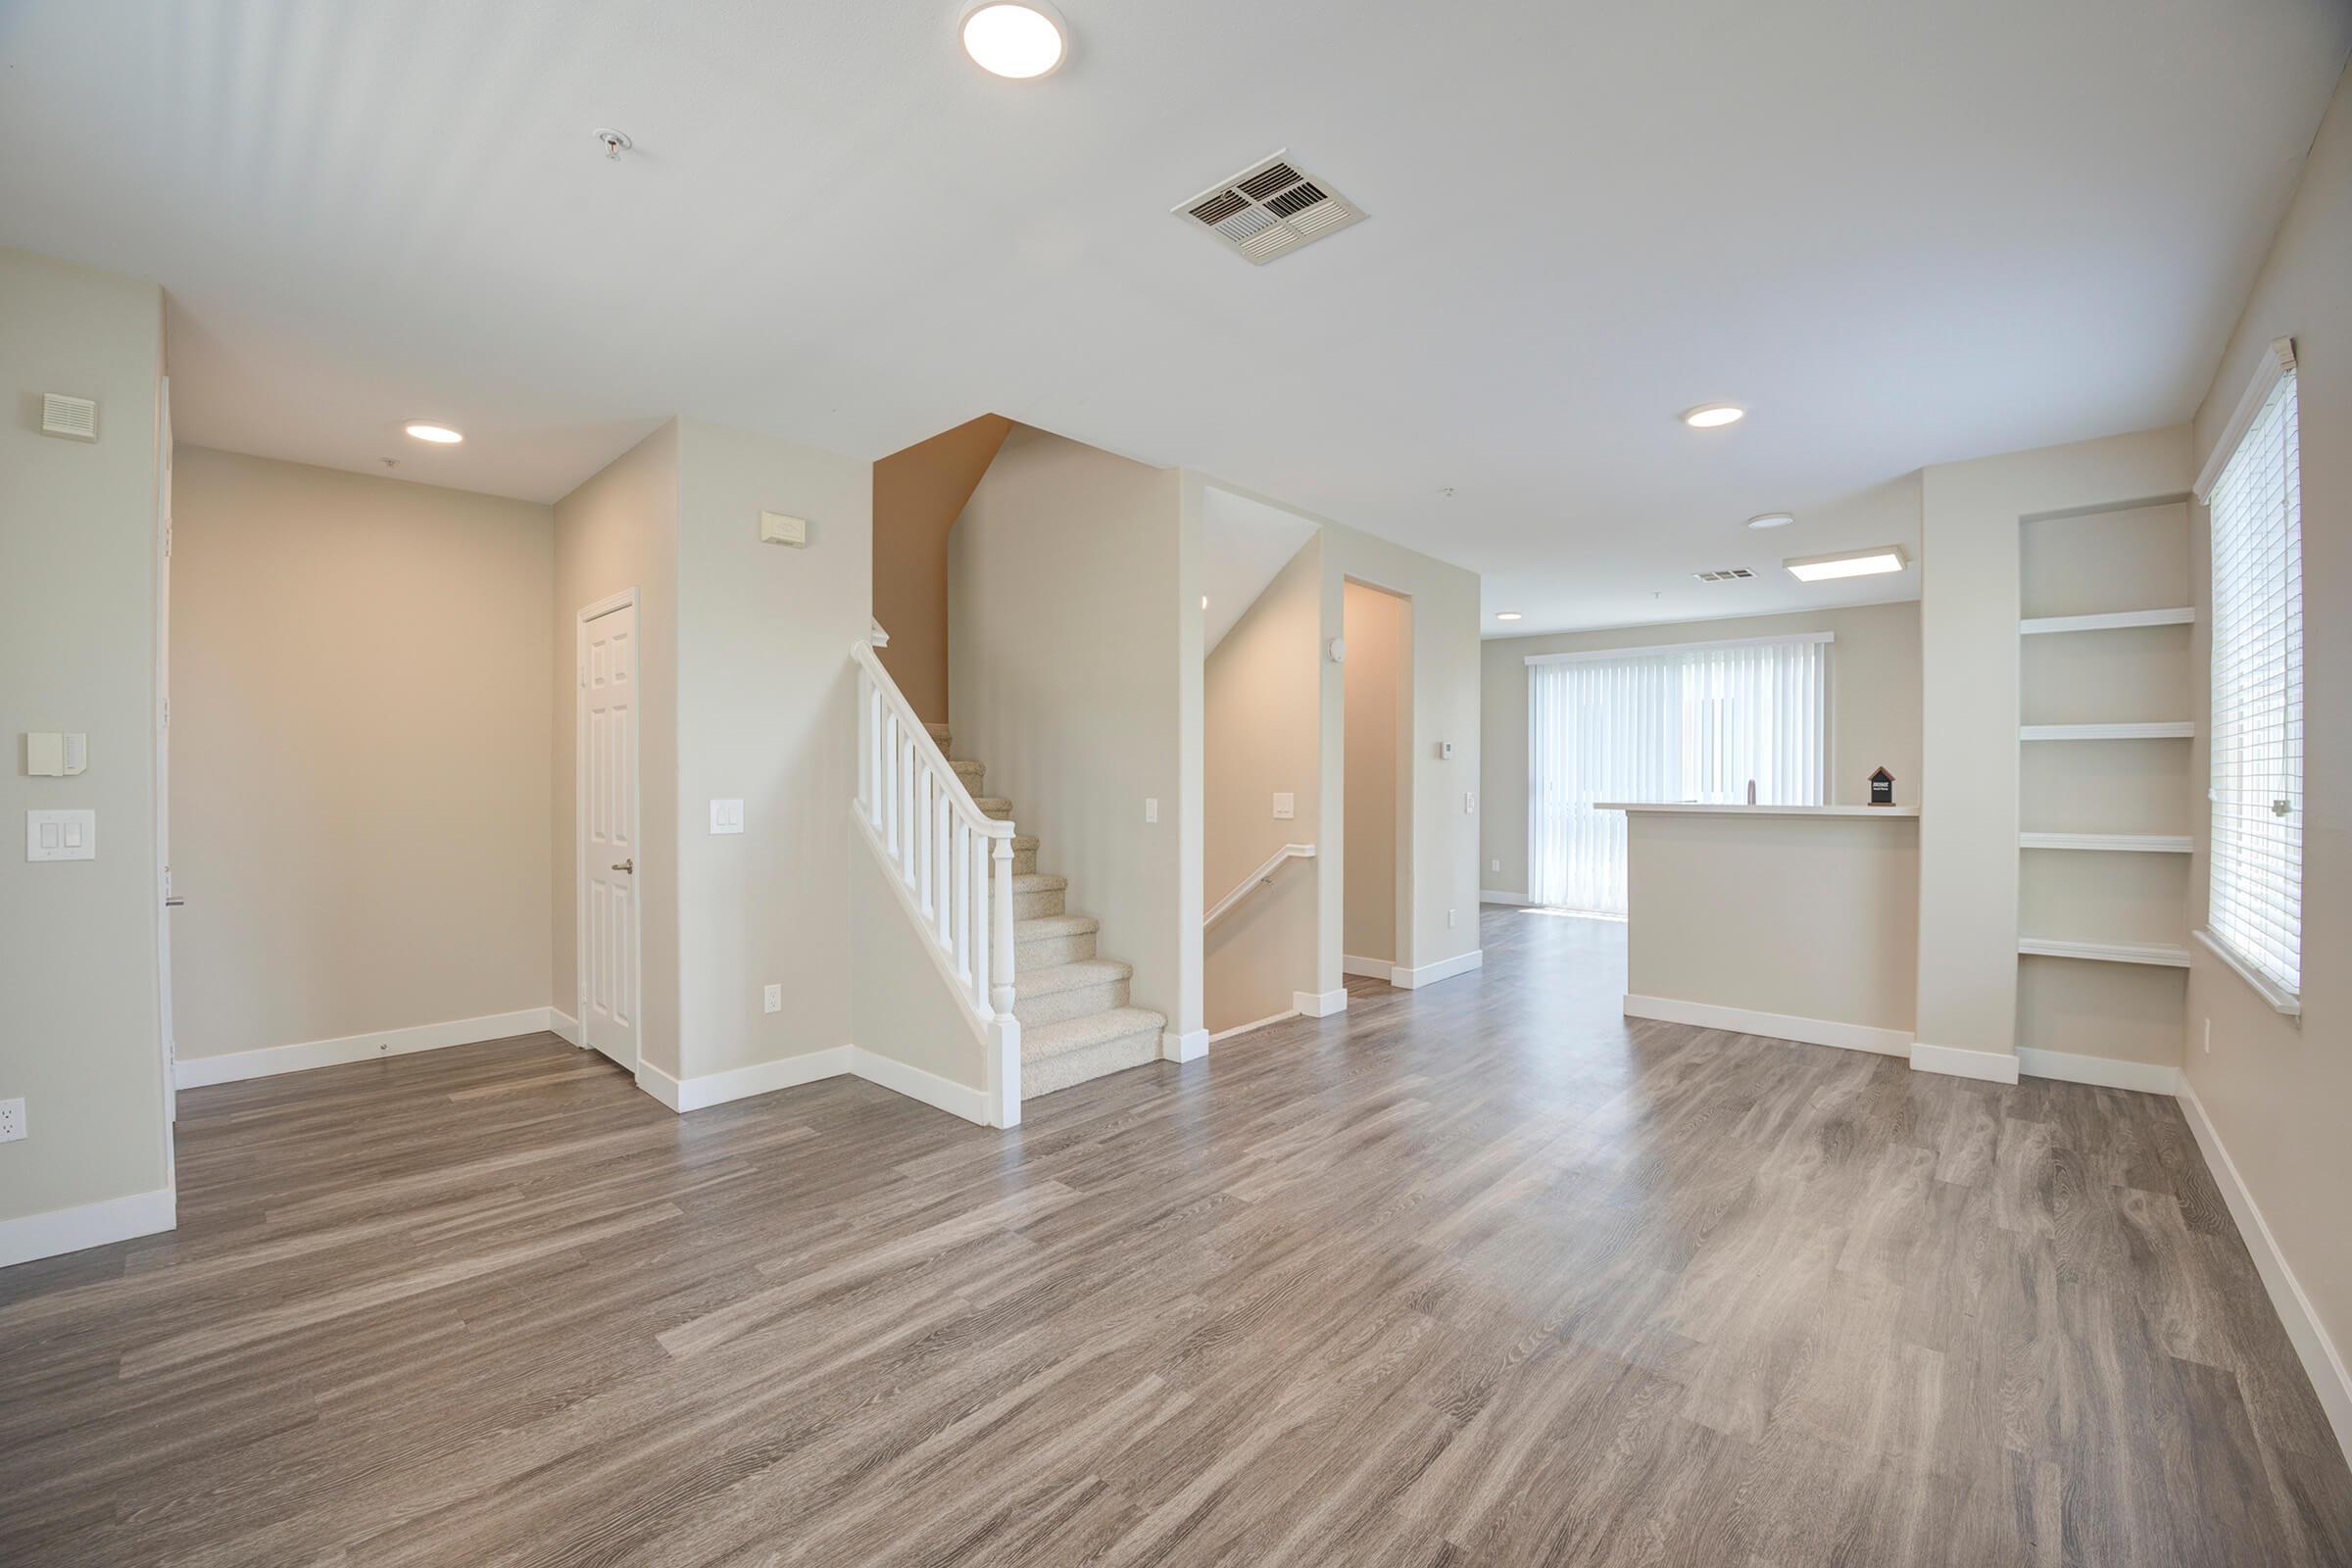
pixel 629 865
pixel 174 904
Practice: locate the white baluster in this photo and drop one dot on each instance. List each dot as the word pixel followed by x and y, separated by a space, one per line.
pixel 866 741
pixel 923 843
pixel 1000 960
pixel 873 757
pixel 980 926
pixel 890 788
pixel 906 809
pixel 959 854
pixel 943 901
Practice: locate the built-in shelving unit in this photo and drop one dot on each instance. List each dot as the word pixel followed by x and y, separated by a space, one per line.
pixel 2105 824
pixel 2124 843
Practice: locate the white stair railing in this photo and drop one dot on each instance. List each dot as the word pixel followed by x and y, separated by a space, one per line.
pixel 953 867
pixel 1262 877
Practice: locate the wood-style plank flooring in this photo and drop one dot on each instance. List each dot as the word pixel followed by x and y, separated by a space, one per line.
pixel 1482 1273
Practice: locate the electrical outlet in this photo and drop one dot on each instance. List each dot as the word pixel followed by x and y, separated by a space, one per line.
pixel 1469 802
pixel 1452 916
pixel 774 1000
pixel 11 1120
pixel 1151 808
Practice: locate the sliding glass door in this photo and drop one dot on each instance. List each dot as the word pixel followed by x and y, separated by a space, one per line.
pixel 1696 722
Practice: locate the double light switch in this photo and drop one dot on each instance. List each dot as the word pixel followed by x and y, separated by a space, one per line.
pixel 61 835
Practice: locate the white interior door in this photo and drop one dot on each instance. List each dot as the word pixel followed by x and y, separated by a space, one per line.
pixel 606 814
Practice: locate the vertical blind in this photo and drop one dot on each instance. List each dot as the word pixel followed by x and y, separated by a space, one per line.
pixel 2256 905
pixel 1690 723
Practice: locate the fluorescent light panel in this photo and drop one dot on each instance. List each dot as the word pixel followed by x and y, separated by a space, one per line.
pixel 1847 563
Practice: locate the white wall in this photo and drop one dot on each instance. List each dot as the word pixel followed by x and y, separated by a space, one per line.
pixel 79 1018
pixel 1066 670
pixel 1379 650
pixel 360 811
pixel 1262 706
pixel 1874 710
pixel 766 715
pixel 1971 541
pixel 2278 1091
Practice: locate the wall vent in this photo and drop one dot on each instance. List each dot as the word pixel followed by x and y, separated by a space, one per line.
pixel 1269 209
pixel 75 418
pixel 1728 574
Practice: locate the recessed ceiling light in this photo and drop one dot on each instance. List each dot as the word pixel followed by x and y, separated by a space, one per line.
pixel 1022 40
pixel 1847 563
pixel 1506 615
pixel 1772 520
pixel 438 435
pixel 1713 416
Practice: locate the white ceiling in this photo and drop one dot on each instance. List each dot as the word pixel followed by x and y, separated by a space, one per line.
pixel 1901 233
pixel 1244 546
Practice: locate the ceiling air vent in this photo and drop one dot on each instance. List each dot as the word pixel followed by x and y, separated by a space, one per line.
pixel 1268 210
pixel 1728 574
pixel 75 418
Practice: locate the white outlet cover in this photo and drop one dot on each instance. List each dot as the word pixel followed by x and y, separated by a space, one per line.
pixel 1151 808
pixel 11 1120
pixel 773 998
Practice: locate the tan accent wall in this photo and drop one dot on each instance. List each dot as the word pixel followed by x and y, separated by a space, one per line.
pixel 359 817
pixel 1379 631
pixel 80 1022
pixel 918 494
pixel 2278 1090
pixel 1874 710
pixel 1262 701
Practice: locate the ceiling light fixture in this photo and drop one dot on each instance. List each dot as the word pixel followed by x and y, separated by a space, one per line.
pixel 1712 416
pixel 1506 615
pixel 1023 40
pixel 1847 563
pixel 1772 520
pixel 441 435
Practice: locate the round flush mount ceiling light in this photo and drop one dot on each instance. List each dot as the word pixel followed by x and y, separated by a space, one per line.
pixel 1023 39
pixel 1506 615
pixel 1772 520
pixel 1713 416
pixel 440 435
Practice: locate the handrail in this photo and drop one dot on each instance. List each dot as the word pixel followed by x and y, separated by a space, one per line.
pixel 955 863
pixel 1264 876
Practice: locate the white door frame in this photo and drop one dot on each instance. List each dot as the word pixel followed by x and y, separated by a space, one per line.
pixel 166 1043
pixel 626 599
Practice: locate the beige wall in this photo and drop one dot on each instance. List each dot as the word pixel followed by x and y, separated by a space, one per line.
pixel 80 1020
pixel 1971 538
pixel 1874 710
pixel 1066 667
pixel 2278 1091
pixel 619 530
pixel 918 494
pixel 1262 705
pixel 766 715
pixel 359 817
pixel 1379 632
pixel 1812 918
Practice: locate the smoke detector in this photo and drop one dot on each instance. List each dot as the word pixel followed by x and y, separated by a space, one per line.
pixel 1268 210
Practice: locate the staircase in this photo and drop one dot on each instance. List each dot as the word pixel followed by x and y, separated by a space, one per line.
pixel 1071 1003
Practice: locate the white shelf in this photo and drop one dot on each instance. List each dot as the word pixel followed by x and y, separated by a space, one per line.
pixel 2153 952
pixel 2134 842
pixel 2163 731
pixel 2117 621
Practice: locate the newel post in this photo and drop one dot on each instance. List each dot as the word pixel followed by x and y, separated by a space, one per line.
pixel 999 951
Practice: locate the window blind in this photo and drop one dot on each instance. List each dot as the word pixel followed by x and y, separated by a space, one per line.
pixel 1685 724
pixel 2255 906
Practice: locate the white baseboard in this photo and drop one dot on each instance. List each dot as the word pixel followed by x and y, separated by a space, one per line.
pixel 194 1072
pixel 943 1094
pixel 2323 1364
pixel 1190 1044
pixel 563 1026
pixel 1366 969
pixel 1496 895
pixel 70 1230
pixel 1772 1025
pixel 1319 1004
pixel 1244 1028
pixel 790 1072
pixel 2148 1077
pixel 1429 974
pixel 1992 1066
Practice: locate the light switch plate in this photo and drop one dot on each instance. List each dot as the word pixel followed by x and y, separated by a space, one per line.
pixel 726 817
pixel 1151 808
pixel 61 835
pixel 1285 806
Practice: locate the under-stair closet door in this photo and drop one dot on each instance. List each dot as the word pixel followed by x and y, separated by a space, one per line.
pixel 607 832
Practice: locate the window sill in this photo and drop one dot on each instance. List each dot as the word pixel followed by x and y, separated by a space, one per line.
pixel 2282 1001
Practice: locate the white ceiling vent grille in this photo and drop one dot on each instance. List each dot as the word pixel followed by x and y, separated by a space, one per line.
pixel 1268 210
pixel 1727 574
pixel 75 418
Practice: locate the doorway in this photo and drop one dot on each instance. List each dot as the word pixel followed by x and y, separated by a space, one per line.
pixel 1377 867
pixel 606 817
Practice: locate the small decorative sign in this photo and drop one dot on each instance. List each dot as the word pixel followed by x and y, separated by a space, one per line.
pixel 1882 787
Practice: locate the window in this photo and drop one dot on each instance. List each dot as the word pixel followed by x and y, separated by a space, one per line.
pixel 1684 723
pixel 2255 896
